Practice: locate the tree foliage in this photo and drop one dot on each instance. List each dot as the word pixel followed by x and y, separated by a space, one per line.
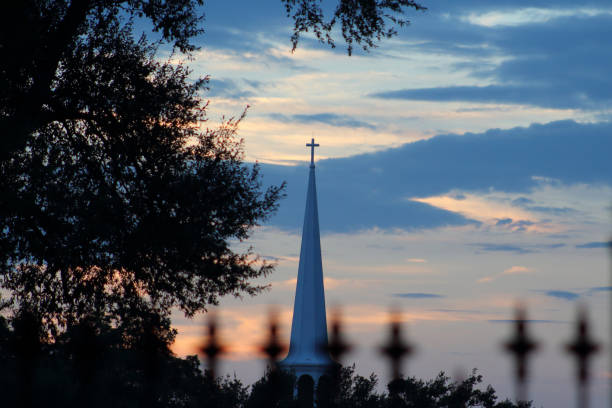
pixel 119 203
pixel 354 391
pixel 362 22
pixel 95 365
pixel 40 41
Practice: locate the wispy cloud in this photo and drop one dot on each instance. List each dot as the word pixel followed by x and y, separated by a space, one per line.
pixel 233 89
pixel 516 269
pixel 562 294
pixel 530 15
pixel 330 119
pixel 599 289
pixel 329 283
pixel 527 72
pixel 535 95
pixel 460 311
pixel 478 208
pixel 529 205
pixel 590 245
pixel 487 247
pixel 504 221
pixel 528 321
pixel 517 226
pixel 417 295
pixel 516 248
pixel 513 270
pixel 574 295
pixel 483 94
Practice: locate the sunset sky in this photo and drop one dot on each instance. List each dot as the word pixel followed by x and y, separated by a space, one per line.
pixel 464 166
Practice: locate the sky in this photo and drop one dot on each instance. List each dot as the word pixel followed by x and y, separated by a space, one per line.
pixel 464 166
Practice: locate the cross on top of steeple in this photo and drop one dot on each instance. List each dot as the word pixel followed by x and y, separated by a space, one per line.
pixel 312 145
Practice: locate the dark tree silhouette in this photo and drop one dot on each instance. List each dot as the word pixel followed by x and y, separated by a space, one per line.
pixel 441 392
pixel 118 373
pixel 122 205
pixel 274 390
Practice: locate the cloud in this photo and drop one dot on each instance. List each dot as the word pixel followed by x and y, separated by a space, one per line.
pixel 460 311
pixel 528 321
pixel 520 225
pixel 551 246
pixel 229 88
pixel 537 95
pixel 540 95
pixel 353 197
pixel 554 57
pixel 486 247
pixel 243 322
pixel 474 207
pixel 522 201
pixel 598 289
pixel 517 269
pixel 281 259
pixel 330 119
pixel 513 270
pixel 417 295
pixel 528 204
pixel 529 15
pixel 551 210
pixel 590 245
pixel 504 221
pixel 562 294
pixel 601 289
pixel 329 283
pixel 518 249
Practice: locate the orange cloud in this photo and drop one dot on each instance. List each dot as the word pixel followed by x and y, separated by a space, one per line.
pixel 241 329
pixel 516 269
pixel 478 208
pixel 329 283
pixel 513 270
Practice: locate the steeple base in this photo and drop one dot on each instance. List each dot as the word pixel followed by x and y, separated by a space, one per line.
pixel 313 370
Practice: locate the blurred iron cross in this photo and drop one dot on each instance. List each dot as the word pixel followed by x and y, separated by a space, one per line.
pixel 312 145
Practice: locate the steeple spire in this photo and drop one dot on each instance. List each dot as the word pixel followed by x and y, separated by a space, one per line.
pixel 309 325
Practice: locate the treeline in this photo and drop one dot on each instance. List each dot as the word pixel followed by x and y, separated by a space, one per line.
pixel 95 365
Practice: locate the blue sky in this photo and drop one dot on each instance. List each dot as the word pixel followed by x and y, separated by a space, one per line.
pixel 464 166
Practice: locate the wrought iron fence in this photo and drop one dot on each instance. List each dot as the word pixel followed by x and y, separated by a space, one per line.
pixel 521 347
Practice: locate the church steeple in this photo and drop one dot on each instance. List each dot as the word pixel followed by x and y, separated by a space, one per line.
pixel 309 325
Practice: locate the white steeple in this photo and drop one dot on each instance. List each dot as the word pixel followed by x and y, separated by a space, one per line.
pixel 309 325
